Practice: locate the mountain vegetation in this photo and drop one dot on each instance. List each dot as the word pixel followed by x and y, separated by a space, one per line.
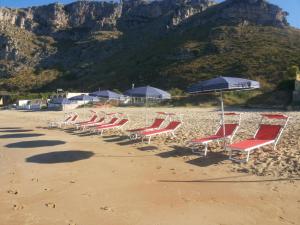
pixel 169 44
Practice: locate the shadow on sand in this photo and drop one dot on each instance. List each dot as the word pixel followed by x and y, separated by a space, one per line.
pixel 20 135
pixel 123 156
pixel 117 139
pixel 231 180
pixel 147 148
pixel 178 151
pixel 15 130
pixel 8 128
pixel 60 157
pixel 35 144
pixel 212 158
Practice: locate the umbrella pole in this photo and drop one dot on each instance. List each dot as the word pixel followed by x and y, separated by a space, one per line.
pixel 146 111
pixel 223 120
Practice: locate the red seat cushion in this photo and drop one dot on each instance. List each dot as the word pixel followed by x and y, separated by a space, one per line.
pixel 205 139
pixel 250 143
pixel 146 133
pixel 268 132
pixel 229 129
pixel 156 124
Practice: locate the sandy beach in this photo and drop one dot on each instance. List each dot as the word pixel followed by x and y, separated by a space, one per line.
pixel 55 177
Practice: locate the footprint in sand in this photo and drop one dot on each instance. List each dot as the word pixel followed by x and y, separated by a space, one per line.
pixel 12 191
pixel 47 189
pixel 17 206
pixel 35 179
pixel 106 208
pixel 71 222
pixel 50 205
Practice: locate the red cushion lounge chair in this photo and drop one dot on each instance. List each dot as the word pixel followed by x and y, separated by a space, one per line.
pixel 169 129
pixel 118 125
pixel 266 134
pixel 155 125
pixel 98 122
pixel 92 119
pixel 160 119
pixel 112 121
pixel 230 130
pixel 71 121
pixel 68 116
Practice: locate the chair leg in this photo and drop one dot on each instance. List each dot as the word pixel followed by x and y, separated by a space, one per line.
pixel 248 156
pixel 149 140
pixel 205 149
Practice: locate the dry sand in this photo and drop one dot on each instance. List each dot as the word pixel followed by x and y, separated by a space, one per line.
pixel 54 177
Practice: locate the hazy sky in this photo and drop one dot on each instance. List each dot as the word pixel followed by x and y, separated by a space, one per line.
pixel 291 6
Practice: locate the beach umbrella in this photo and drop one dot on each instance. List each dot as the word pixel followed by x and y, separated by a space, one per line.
pixel 148 92
pixel 84 98
pixel 223 84
pixel 107 94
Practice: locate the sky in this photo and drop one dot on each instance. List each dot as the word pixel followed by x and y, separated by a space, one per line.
pixel 291 6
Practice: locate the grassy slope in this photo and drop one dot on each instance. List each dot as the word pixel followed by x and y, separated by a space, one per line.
pixel 175 60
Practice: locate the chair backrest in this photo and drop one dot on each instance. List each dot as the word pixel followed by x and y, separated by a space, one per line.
pixel 173 125
pixel 93 118
pixel 268 132
pixel 113 120
pixel 101 119
pixel 122 122
pixel 229 129
pixel 68 118
pixel 157 123
pixel 74 117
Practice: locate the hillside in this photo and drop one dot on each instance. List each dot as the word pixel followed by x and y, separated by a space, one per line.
pixel 169 44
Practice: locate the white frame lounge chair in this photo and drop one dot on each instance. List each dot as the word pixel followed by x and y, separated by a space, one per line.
pixel 157 123
pixel 266 134
pixel 230 131
pixel 168 130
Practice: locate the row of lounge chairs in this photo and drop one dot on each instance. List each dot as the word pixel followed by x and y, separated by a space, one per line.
pixel 167 124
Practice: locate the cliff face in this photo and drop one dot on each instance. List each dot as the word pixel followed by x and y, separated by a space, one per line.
pixel 51 18
pixel 254 11
pixel 75 39
pixel 99 15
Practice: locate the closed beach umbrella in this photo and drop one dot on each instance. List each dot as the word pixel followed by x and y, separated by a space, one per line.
pixel 148 92
pixel 107 94
pixel 222 84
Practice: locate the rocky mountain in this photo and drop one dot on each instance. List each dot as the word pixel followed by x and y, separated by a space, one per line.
pixel 167 43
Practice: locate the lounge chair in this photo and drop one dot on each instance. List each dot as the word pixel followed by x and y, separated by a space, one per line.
pixel 101 120
pixel 112 121
pixel 92 119
pixel 118 125
pixel 266 134
pixel 157 123
pixel 71 118
pixel 220 135
pixel 169 129
pixel 67 117
pixel 72 121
